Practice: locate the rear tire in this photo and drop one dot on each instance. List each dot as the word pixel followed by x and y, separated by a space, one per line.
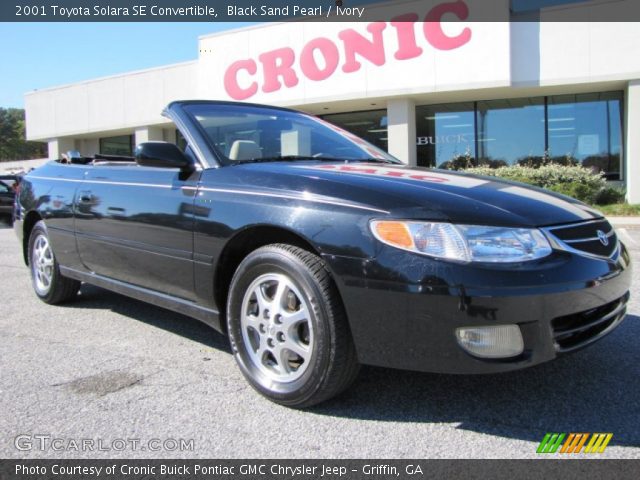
pixel 287 327
pixel 48 283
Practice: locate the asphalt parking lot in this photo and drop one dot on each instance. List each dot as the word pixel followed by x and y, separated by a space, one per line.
pixel 107 368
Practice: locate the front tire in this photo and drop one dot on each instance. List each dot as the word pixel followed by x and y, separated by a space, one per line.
pixel 48 283
pixel 287 327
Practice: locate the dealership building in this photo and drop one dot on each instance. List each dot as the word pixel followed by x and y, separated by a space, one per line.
pixel 427 89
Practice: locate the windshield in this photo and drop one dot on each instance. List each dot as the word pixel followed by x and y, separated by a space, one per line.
pixel 240 134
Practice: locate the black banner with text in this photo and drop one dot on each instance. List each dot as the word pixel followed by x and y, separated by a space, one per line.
pixel 315 10
pixel 317 469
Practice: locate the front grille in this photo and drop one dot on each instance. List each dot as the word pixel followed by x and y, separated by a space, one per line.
pixel 594 237
pixel 579 329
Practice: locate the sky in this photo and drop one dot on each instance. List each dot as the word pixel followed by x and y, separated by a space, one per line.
pixel 40 55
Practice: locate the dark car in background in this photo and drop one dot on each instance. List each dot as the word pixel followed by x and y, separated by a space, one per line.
pixel 9 186
pixel 316 252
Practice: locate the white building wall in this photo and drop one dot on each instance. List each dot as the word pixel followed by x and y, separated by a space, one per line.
pixel 401 125
pixel 108 104
pixel 499 59
pixel 148 134
pixel 59 146
pixel 481 62
pixel 632 173
pixel 588 52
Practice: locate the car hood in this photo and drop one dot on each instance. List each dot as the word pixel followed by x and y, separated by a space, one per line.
pixel 418 193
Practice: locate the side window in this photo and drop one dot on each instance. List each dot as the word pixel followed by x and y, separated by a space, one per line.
pixel 188 151
pixel 181 142
pixel 4 188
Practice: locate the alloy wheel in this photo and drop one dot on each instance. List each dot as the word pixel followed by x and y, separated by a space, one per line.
pixel 42 264
pixel 276 327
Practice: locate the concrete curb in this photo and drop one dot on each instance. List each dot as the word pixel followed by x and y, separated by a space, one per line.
pixel 625 222
pixel 17 166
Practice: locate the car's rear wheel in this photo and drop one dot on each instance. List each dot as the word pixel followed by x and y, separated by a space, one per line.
pixel 287 327
pixel 49 285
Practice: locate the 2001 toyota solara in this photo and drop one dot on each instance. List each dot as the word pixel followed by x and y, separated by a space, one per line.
pixel 315 251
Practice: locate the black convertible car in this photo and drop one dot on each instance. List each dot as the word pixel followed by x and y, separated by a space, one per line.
pixel 317 252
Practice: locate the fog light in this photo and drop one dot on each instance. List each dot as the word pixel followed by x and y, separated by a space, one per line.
pixel 500 341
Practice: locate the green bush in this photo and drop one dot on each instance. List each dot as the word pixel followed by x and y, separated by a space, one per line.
pixel 573 180
pixel 582 192
pixel 610 195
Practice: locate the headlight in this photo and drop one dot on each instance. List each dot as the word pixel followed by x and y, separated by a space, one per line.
pixel 463 243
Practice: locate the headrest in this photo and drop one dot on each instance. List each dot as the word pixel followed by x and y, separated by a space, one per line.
pixel 244 150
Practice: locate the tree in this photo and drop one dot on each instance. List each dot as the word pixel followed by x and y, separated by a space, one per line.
pixel 13 143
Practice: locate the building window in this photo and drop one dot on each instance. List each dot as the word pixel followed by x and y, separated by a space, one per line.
pixel 370 125
pixel 567 129
pixel 587 128
pixel 120 145
pixel 510 131
pixel 446 135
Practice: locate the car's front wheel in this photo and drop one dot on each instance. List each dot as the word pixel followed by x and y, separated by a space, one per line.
pixel 287 327
pixel 48 283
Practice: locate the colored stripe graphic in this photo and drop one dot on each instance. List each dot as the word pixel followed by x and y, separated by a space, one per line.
pixel 550 443
pixel 584 439
pixel 574 442
pixel 598 442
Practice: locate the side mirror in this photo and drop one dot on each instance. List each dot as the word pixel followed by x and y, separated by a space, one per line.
pixel 161 155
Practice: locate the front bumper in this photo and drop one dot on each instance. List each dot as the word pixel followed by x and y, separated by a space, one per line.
pixel 404 309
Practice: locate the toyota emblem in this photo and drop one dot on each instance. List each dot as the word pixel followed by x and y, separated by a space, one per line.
pixel 604 240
